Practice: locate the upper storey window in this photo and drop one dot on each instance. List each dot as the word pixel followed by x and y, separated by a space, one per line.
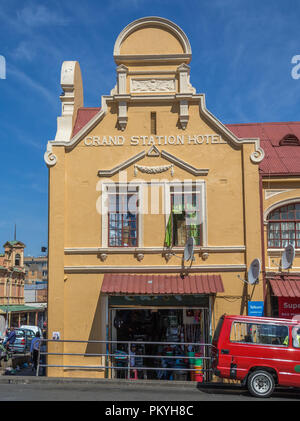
pixel 123 217
pixel 185 216
pixel 18 260
pixel 284 226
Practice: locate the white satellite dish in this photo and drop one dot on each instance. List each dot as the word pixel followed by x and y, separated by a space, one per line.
pixel 188 253
pixel 254 272
pixel 288 257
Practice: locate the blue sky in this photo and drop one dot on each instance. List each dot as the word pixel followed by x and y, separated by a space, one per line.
pixel 242 52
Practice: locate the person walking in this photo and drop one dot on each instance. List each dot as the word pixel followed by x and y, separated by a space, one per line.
pixel 11 338
pixel 34 350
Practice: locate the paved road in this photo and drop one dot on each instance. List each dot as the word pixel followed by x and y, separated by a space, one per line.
pixel 77 391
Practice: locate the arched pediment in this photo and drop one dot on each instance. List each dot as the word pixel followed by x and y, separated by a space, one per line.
pixel 152 37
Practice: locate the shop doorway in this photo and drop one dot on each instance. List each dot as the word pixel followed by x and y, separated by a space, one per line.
pixel 172 326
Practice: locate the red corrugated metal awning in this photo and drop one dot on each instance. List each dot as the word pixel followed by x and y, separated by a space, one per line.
pixel 286 286
pixel 144 284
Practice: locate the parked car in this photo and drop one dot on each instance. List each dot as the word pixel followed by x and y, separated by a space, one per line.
pixel 22 342
pixel 19 345
pixel 30 334
pixel 35 329
pixel 261 352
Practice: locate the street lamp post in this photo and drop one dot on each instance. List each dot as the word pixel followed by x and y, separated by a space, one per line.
pixel 7 302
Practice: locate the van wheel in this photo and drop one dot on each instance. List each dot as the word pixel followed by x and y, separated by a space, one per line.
pixel 261 384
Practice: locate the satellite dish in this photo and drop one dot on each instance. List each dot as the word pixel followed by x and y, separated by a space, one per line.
pixel 188 253
pixel 254 271
pixel 288 257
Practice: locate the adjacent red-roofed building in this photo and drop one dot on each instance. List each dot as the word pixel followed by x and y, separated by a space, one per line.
pixel 280 209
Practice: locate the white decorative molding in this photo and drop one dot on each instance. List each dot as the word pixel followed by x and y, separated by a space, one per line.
pixel 158 22
pixel 182 164
pixel 273 192
pixel 122 72
pixel 278 205
pixel 122 115
pixel 151 250
pixel 118 94
pixel 185 86
pixel 49 157
pixel 168 256
pixel 103 257
pixel 139 257
pixel 153 269
pixel 153 170
pixel 152 85
pixel 153 151
pixel 122 166
pixel 183 113
pixel 71 99
pixel 230 137
pixel 256 157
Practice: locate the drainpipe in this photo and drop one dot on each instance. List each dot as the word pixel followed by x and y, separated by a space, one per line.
pixel 262 235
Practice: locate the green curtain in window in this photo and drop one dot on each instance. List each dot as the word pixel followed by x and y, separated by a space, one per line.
pixel 178 209
pixel 168 236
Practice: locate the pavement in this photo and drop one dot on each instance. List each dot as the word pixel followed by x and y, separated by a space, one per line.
pixel 25 385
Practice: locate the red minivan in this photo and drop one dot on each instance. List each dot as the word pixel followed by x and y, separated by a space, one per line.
pixel 261 352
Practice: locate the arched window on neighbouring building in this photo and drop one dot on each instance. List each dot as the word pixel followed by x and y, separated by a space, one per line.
pixel 284 226
pixel 18 260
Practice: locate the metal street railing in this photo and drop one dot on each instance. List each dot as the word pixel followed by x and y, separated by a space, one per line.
pixel 126 364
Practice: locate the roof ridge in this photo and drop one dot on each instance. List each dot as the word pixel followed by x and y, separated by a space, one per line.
pixel 262 123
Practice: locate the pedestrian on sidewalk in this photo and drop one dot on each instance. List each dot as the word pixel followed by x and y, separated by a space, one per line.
pixel 34 350
pixel 11 338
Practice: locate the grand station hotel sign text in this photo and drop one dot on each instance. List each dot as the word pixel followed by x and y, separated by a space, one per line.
pixel 197 139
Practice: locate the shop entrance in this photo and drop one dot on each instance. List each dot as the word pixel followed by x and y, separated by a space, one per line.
pixel 172 325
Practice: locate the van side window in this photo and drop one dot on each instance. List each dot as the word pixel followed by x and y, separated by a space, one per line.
pixel 259 333
pixel 296 337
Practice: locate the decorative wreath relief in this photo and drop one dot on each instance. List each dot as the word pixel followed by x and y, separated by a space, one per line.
pixel 153 170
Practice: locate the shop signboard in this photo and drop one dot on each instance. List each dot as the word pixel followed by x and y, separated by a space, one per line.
pixel 288 307
pixel 160 300
pixel 256 308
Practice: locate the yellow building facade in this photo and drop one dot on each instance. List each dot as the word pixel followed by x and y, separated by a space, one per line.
pixel 129 182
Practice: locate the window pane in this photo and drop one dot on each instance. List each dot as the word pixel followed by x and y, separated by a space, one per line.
pixel 263 334
pixel 274 215
pixel 122 218
pixel 186 216
pixel 280 235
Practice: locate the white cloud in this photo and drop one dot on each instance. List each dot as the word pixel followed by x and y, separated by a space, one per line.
pixel 32 84
pixel 40 15
pixel 24 51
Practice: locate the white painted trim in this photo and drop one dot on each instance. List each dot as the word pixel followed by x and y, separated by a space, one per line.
pixel 153 269
pixel 151 250
pixel 273 192
pixel 178 58
pixel 202 191
pixel 104 221
pixel 164 154
pixel 280 250
pixel 255 157
pixel 278 205
pixel 104 218
pixel 122 166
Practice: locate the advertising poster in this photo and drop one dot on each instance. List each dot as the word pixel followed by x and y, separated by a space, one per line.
pixel 288 307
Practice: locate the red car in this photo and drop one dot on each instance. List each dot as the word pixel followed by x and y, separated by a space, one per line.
pixel 261 352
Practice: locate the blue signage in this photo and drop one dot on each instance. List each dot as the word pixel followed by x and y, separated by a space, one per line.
pixel 256 308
